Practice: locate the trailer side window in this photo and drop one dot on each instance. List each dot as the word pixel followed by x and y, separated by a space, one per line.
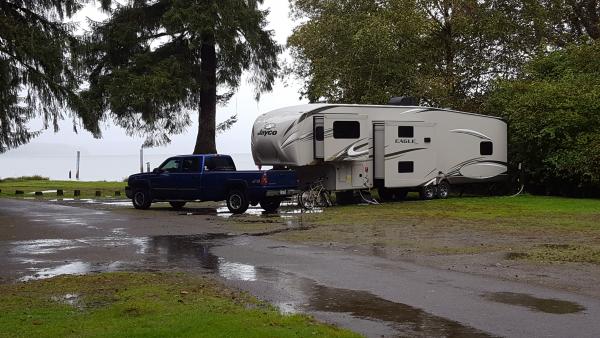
pixel 346 129
pixel 319 133
pixel 406 131
pixel 406 167
pixel 486 148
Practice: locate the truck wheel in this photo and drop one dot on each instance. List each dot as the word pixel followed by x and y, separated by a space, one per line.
pixel 270 204
pixel 427 192
pixel 141 199
pixel 237 202
pixel 177 205
pixel 443 190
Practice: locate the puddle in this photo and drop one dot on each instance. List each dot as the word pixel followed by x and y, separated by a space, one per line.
pixel 75 268
pixel 546 305
pixel 407 320
pixel 71 299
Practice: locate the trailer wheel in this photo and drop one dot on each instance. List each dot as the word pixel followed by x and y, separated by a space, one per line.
pixel 427 192
pixel 270 204
pixel 177 205
pixel 385 194
pixel 237 202
pixel 141 199
pixel 443 190
pixel 400 194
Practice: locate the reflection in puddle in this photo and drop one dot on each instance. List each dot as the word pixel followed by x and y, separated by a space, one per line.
pixel 75 268
pixel 237 271
pixel 538 304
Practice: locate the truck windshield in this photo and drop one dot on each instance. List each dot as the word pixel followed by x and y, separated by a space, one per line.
pixel 219 163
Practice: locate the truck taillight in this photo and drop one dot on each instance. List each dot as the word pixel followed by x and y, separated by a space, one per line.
pixel 264 180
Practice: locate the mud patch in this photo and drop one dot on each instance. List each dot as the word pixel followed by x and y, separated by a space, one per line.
pixel 546 305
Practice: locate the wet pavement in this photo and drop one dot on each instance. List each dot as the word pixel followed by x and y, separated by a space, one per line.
pixel 370 295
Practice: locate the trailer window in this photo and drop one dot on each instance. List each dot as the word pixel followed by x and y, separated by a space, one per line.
pixel 406 131
pixel 319 133
pixel 486 148
pixel 346 129
pixel 406 167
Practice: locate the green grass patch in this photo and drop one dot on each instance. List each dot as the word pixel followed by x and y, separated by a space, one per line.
pixel 553 253
pixel 88 189
pixel 144 304
pixel 521 211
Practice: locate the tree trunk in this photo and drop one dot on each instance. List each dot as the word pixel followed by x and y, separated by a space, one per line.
pixel 205 141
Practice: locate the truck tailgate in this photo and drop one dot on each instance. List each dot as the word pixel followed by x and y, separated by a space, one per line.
pixel 282 178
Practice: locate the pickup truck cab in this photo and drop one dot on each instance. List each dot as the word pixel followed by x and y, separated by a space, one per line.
pixel 187 178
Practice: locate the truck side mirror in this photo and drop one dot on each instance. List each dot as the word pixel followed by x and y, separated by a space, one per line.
pixel 157 171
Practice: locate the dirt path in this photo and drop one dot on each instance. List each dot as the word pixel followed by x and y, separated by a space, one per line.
pixel 371 294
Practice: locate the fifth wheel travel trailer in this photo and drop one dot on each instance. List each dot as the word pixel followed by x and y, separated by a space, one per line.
pixel 393 148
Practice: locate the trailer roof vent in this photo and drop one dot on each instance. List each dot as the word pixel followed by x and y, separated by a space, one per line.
pixel 403 101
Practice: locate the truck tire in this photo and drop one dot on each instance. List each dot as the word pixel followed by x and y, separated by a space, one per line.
pixel 142 199
pixel 177 205
pixel 443 190
pixel 270 204
pixel 427 192
pixel 237 202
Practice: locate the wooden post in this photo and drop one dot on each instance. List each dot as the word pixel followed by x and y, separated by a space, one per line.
pixel 76 193
pixel 60 192
pixel 142 159
pixel 77 167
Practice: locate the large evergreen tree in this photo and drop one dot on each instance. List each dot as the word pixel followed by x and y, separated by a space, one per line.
pixel 154 61
pixel 37 74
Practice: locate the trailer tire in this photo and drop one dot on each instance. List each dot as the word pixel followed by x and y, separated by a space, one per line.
pixel 177 205
pixel 270 205
pixel 385 194
pixel 142 200
pixel 443 190
pixel 400 194
pixel 237 201
pixel 427 192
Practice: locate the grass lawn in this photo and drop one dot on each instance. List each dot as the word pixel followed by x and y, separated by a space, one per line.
pixel 144 304
pixel 540 228
pixel 88 189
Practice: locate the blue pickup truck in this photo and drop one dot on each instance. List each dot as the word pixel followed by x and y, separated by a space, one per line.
pixel 189 178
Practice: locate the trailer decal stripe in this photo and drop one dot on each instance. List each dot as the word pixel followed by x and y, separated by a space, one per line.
pixel 398 153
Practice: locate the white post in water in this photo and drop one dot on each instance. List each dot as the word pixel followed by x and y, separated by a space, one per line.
pixel 142 159
pixel 77 166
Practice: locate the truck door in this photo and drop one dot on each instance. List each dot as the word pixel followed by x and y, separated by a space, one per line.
pixel 164 184
pixel 190 178
pixel 346 137
pixel 409 155
pixel 318 137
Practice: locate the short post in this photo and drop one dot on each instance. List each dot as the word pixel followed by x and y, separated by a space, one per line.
pixel 19 192
pixel 147 166
pixel 60 192
pixel 76 193
pixel 98 193
pixel 117 193
pixel 39 194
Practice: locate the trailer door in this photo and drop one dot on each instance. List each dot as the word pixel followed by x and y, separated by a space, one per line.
pixel 346 137
pixel 318 137
pixel 410 158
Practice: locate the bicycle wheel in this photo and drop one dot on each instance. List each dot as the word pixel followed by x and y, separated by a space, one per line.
pixel 306 200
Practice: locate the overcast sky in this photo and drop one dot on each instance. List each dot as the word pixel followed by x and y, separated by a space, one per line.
pixel 116 142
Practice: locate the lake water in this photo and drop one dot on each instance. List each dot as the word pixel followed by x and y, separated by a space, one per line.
pixel 92 168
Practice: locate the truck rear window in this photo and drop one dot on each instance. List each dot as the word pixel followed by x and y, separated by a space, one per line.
pixel 218 163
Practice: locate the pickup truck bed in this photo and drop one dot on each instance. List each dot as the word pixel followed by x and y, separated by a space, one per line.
pixel 188 178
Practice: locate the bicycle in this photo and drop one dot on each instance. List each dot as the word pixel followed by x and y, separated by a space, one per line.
pixel 316 196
